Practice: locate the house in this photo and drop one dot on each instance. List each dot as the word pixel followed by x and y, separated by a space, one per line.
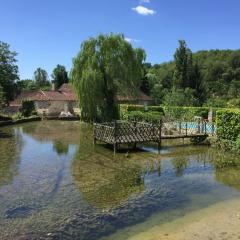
pixel 63 101
pixel 140 99
pixel 51 103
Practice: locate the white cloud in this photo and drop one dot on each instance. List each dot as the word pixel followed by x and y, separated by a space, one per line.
pixel 130 40
pixel 143 10
pixel 144 1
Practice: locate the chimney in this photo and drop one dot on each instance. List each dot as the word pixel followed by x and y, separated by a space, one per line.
pixel 53 86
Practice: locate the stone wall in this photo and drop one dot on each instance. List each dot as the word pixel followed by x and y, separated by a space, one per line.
pixel 54 108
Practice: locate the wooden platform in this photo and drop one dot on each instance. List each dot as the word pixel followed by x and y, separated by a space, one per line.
pixel 123 132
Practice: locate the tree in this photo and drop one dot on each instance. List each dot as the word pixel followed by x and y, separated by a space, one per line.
pixel 105 66
pixel 26 84
pixel 8 70
pixel 60 75
pixel 41 77
pixel 183 66
pixel 198 85
pixel 180 97
pixel 145 85
pixel 2 98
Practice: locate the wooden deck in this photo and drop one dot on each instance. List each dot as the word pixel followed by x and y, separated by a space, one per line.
pixel 122 132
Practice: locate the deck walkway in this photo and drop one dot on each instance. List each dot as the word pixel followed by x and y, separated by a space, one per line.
pixel 123 132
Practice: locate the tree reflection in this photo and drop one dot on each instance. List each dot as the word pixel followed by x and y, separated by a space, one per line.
pixel 180 164
pixel 105 181
pixel 229 176
pixel 60 147
pixel 10 149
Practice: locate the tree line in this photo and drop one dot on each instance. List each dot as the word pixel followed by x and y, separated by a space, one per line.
pixel 108 65
pixel 204 78
pixel 10 83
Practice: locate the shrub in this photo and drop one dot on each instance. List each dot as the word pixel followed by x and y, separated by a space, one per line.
pixel 185 113
pixel 130 112
pixel 228 129
pixel 153 117
pixel 17 115
pixel 228 124
pixel 28 109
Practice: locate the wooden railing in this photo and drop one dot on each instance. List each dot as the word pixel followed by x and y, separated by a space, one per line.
pixel 124 132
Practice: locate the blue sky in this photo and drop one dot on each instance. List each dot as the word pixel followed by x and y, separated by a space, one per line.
pixel 49 32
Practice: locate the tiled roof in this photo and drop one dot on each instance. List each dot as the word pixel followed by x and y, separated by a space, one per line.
pixel 67 90
pixel 65 93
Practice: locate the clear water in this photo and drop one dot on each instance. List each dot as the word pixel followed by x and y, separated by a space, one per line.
pixel 55 185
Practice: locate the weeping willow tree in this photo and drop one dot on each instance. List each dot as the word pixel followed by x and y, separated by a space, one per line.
pixel 105 66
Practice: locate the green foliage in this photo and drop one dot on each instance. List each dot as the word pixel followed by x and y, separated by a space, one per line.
pixel 2 98
pixel 185 113
pixel 213 76
pixel 28 108
pixel 228 124
pixel 216 102
pixel 41 78
pixel 60 75
pixel 105 66
pixel 151 117
pixel 8 70
pixel 180 97
pixel 26 84
pixel 17 116
pixel 139 113
pixel 183 66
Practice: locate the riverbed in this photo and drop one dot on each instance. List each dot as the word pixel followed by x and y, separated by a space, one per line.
pixel 54 184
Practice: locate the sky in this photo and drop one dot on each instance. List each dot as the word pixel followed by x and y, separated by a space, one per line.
pixel 45 33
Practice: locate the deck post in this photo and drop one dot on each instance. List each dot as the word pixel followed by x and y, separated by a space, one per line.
pixel 186 128
pixel 94 134
pixel 135 131
pixel 115 137
pixel 160 136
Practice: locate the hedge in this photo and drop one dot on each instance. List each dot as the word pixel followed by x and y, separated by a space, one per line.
pixel 128 112
pixel 138 112
pixel 153 117
pixel 228 124
pixel 186 113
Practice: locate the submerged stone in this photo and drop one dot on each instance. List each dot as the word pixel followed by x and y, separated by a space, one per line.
pixel 19 212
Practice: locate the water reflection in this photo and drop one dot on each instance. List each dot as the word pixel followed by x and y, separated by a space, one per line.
pixel 10 148
pixel 180 164
pixel 60 147
pixel 105 181
pixel 66 186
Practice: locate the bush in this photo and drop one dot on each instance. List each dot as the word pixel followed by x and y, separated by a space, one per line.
pixel 152 117
pixel 228 124
pixel 17 116
pixel 129 112
pixel 185 113
pixel 228 129
pixel 28 109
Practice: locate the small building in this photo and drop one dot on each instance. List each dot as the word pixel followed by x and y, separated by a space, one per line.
pixel 63 101
pixel 52 103
pixel 140 99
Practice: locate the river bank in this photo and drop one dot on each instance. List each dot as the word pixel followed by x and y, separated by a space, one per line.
pixel 217 222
